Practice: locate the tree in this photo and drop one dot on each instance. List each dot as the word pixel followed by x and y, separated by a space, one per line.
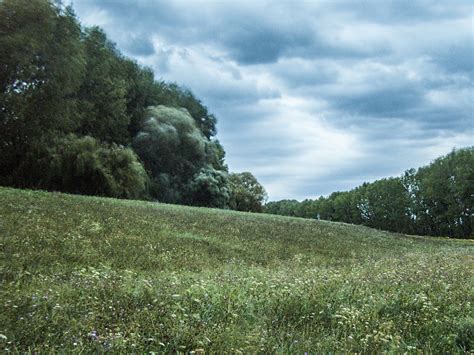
pixel 446 190
pixel 421 221
pixel 82 165
pixel 247 193
pixel 210 188
pixel 282 207
pixel 142 92
pixel 42 64
pixel 102 95
pixel 172 149
pixel 171 94
pixel 308 209
pixel 77 116
pixel 387 204
pixel 437 199
pixel 345 207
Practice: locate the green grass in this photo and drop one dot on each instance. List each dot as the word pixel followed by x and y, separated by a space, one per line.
pixel 95 274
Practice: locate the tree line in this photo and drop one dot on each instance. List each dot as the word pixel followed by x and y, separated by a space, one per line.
pixel 435 200
pixel 78 116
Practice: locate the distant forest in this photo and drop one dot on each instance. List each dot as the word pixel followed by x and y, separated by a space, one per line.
pixel 77 116
pixel 435 200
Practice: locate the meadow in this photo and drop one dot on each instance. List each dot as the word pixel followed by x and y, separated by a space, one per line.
pixel 83 274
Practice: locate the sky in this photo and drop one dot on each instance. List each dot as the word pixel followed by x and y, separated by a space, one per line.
pixel 312 97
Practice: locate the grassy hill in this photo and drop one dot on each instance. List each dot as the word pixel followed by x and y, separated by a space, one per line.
pixel 93 274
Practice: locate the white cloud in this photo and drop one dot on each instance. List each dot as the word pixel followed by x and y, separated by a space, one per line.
pixel 313 148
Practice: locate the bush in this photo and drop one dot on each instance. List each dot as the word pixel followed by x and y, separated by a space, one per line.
pixel 84 166
pixel 210 188
pixel 247 193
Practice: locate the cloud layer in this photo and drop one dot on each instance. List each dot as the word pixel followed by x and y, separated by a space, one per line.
pixel 312 97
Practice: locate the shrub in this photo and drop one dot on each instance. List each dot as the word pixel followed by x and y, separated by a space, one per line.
pixel 247 193
pixel 210 188
pixel 84 166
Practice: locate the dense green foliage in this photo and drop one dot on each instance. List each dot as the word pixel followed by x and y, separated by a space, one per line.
pixel 210 188
pixel 437 199
pixel 89 274
pixel 248 195
pixel 85 166
pixel 174 151
pixel 58 78
pixel 42 66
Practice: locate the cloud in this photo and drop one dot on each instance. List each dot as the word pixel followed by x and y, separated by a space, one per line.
pixel 139 47
pixel 457 57
pixel 256 45
pixel 204 71
pixel 405 12
pixel 312 97
pixel 392 101
pixel 303 73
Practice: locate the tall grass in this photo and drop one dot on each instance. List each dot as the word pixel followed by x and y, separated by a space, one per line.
pixel 95 274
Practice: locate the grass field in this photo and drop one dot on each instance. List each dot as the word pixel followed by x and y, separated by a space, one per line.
pixel 95 274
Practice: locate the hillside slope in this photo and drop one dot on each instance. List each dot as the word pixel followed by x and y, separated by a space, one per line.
pixel 86 273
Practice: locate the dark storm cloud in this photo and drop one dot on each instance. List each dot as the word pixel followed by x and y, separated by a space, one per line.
pixel 312 97
pixel 385 102
pixel 248 36
pixel 252 44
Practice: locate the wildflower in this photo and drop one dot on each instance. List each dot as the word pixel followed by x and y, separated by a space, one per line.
pixel 93 335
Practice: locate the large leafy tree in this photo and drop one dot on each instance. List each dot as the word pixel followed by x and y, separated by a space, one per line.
pixel 386 204
pixel 142 92
pixel 446 190
pixel 102 95
pixel 172 149
pixel 42 65
pixel 171 94
pixel 345 207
